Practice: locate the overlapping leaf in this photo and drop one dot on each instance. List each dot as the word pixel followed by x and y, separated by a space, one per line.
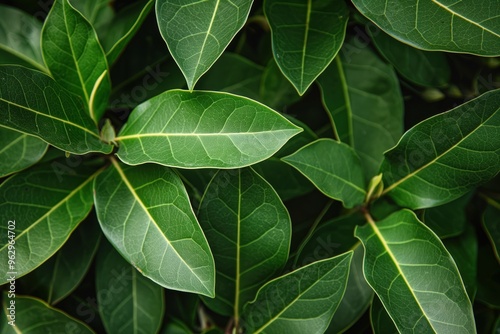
pixel 491 218
pixel 19 151
pixel 249 232
pixel 128 301
pixel 380 320
pixel 439 218
pixel 414 276
pixel 447 155
pixel 34 103
pixel 302 301
pixel 464 26
pixel 75 58
pixel 46 203
pixel 334 168
pixel 144 211
pixel 306 36
pixel 202 129
pixel 197 32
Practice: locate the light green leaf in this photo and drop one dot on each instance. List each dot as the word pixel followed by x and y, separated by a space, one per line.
pixel 334 168
pixel 19 151
pixel 420 287
pixel 45 203
pixel 75 58
pixel 424 68
pixel 20 38
pixel 445 156
pixel 466 26
pixel 491 224
pixel 364 103
pixel 145 213
pixel 34 103
pixel 32 313
pixel 197 32
pixel 249 232
pixel 302 301
pixel 306 36
pixel 448 220
pixel 380 319
pixel 128 301
pixel 201 130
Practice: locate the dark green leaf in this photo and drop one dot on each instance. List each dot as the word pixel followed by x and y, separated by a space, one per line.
pixel 465 26
pixel 197 32
pixel 34 103
pixel 97 12
pixel 380 319
pixel 275 90
pixel 448 220
pixel 414 276
pixel 334 168
pixel 128 301
pixel 491 223
pixel 445 156
pixel 19 151
pixel 75 58
pixel 144 211
pixel 306 36
pixel 488 276
pixel 176 327
pixel 201 130
pixel 302 301
pixel 249 232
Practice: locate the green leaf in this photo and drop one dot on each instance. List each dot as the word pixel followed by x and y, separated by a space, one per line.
pixel 202 129
pixel 45 203
pixel 467 26
pixel 128 301
pixel 20 38
pixel 249 232
pixel 364 103
pixel 448 220
pixel 19 151
pixel 176 327
pixel 380 319
pixel 488 271
pixel 491 219
pixel 445 156
pixel 302 301
pixel 275 89
pixel 197 32
pixel 97 12
pixel 145 213
pixel 306 36
pixel 334 168
pixel 34 103
pixel 423 68
pixel 31 314
pixel 420 286
pixel 75 58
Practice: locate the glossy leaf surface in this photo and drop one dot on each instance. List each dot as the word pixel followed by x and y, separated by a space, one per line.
pixel 197 32
pixel 144 211
pixel 46 203
pixel 302 301
pixel 467 26
pixel 445 156
pixel 201 130
pixel 129 302
pixel 19 151
pixel 249 232
pixel 414 276
pixel 334 168
pixel 306 36
pixel 34 103
pixel 75 58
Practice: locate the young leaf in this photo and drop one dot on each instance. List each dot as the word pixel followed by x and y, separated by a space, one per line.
pixel 306 36
pixel 75 58
pixel 302 301
pixel 43 212
pixel 145 213
pixel 491 219
pixel 20 38
pixel 364 103
pixel 445 156
pixel 197 32
pixel 249 231
pixel 202 130
pixel 465 26
pixel 19 151
pixel 31 314
pixel 420 287
pixel 34 103
pixel 334 168
pixel 128 301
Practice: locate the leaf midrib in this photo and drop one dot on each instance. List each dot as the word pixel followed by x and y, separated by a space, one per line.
pixel 188 134
pixel 304 46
